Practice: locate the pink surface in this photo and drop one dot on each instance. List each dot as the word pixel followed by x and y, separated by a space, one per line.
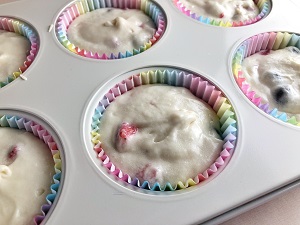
pixel 283 210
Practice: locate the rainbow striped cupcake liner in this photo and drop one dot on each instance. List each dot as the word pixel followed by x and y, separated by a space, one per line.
pixel 202 89
pixel 263 5
pixel 263 41
pixel 24 29
pixel 84 6
pixel 41 133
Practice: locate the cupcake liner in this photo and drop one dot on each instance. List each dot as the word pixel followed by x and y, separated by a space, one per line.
pixel 83 6
pixel 41 133
pixel 19 27
pixel 263 41
pixel 263 5
pixel 200 88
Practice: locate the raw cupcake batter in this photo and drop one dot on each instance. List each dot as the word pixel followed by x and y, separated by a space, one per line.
pixel 14 49
pixel 161 134
pixel 225 10
pixel 26 171
pixel 275 77
pixel 111 30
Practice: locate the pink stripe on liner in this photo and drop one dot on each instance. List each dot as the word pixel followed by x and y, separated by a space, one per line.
pixel 137 80
pixel 259 43
pixel 116 91
pixel 114 3
pixel 213 98
pixel 76 10
pixel 10 26
pixel 122 87
pixel 245 87
pixel 208 92
pixel 220 100
pixel 5 24
pixel 256 101
pixel 271 40
pixel 129 83
pixel 201 88
pixel 42 133
pixel 194 84
pixel 219 162
pixel 254 44
pixel 250 94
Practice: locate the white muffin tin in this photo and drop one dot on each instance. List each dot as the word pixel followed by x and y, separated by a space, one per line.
pixel 61 87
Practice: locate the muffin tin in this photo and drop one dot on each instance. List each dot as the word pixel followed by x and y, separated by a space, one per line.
pixel 61 89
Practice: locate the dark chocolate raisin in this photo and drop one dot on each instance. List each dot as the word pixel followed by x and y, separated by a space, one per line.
pixel 281 95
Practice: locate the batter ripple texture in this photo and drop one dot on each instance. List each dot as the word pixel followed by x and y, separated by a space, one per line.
pixel 111 30
pixel 160 133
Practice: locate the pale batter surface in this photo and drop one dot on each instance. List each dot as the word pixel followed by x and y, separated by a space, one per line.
pixel 161 134
pixel 275 77
pixel 111 30
pixel 14 49
pixel 26 171
pixel 225 10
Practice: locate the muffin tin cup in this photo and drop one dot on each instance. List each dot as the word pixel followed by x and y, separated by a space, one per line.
pixel 244 178
pixel 79 8
pixel 263 5
pixel 252 45
pixel 24 29
pixel 202 89
pixel 21 123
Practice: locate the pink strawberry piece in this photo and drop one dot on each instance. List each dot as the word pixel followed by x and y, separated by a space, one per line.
pixel 265 52
pixel 12 155
pixel 147 173
pixel 126 130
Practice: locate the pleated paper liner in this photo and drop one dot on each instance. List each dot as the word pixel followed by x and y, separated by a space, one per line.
pixel 263 5
pixel 84 6
pixel 24 29
pixel 263 41
pixel 37 130
pixel 202 89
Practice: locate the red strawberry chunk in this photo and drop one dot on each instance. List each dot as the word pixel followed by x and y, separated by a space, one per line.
pixel 147 173
pixel 12 155
pixel 265 52
pixel 126 130
pixel 221 15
